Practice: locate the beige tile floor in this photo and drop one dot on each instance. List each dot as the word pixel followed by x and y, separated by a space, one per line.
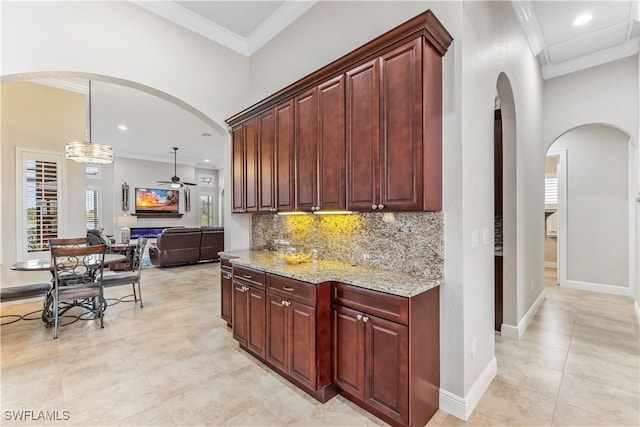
pixel 174 363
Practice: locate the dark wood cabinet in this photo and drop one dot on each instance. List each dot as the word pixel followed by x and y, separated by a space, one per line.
pixel 401 101
pixel 226 290
pixel 348 351
pixel 248 314
pixel 370 358
pixel 363 136
pixel 367 127
pixel 384 131
pixel 284 156
pixel 291 338
pixel 320 147
pixel 498 292
pixel 238 167
pixel 267 162
pixel 306 147
pixel 331 145
pixel 245 167
pixel 386 352
pixel 256 321
pixel 297 337
pixel 240 309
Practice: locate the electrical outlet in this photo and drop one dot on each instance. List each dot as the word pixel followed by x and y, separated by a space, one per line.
pixel 474 347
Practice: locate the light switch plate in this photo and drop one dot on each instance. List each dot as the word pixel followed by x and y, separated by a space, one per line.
pixel 486 237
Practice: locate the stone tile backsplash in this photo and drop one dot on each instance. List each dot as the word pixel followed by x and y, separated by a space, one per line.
pixel 412 242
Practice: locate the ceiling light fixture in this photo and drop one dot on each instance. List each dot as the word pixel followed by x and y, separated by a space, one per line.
pixel 207 160
pixel 582 19
pixel 87 151
pixel 122 127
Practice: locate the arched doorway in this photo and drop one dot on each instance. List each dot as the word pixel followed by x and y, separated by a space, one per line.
pixel 596 210
pixel 505 169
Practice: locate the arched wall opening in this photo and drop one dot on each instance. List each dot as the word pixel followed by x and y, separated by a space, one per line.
pixel 505 221
pixel 597 212
pixel 221 134
pixel 222 129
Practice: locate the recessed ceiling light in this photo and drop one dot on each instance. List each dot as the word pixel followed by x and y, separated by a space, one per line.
pixel 122 127
pixel 582 19
pixel 205 134
pixel 207 160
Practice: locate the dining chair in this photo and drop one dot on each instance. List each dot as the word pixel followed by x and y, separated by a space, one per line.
pixel 130 277
pixel 77 278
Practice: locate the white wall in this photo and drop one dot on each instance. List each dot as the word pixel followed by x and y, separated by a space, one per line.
pixel 121 40
pixel 598 206
pixel 605 94
pixel 493 42
pixel 40 118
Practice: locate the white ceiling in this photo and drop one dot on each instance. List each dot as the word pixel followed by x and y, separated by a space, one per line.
pixel 563 48
pixel 155 125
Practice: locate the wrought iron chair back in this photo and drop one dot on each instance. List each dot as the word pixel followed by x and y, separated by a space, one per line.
pixel 131 277
pixel 77 278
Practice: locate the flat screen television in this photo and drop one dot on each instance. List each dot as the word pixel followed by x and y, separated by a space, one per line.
pixel 157 200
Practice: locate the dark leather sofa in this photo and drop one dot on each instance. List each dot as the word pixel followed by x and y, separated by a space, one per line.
pixel 176 246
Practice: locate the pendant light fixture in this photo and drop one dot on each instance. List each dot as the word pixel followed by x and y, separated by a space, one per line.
pixel 88 151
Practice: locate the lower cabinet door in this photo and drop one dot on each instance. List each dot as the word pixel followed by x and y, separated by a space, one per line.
pixel 226 289
pixel 387 376
pixel 239 313
pixel 256 321
pixel 277 333
pixel 348 350
pixel 303 343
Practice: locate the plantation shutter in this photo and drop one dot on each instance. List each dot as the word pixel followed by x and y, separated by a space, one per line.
pixel 93 208
pixel 42 188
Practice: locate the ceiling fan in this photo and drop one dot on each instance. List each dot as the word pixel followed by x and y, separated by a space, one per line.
pixel 175 180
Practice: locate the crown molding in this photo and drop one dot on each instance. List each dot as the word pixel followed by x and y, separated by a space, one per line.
pixel 276 22
pixel 179 15
pixel 152 158
pixel 529 23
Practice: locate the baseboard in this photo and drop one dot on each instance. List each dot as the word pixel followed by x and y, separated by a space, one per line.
pixel 462 407
pixel 636 307
pixel 550 264
pixel 597 287
pixel 516 332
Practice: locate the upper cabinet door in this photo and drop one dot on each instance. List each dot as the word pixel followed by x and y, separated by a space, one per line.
pixel 266 162
pixel 285 156
pixel 363 136
pixel 331 146
pixel 306 143
pixel 237 172
pixel 401 130
pixel 251 165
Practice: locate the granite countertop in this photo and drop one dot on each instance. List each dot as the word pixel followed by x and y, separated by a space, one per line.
pixel 318 271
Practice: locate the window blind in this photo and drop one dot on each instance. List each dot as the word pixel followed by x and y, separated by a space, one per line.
pixel 42 204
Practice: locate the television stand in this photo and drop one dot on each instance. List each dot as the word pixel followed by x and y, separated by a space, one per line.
pixel 157 215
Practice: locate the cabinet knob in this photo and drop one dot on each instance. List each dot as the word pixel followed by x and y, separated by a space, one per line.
pixel 287 288
pixel 365 319
pixel 359 317
pixel 283 303
pixel 380 206
pixel 374 207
